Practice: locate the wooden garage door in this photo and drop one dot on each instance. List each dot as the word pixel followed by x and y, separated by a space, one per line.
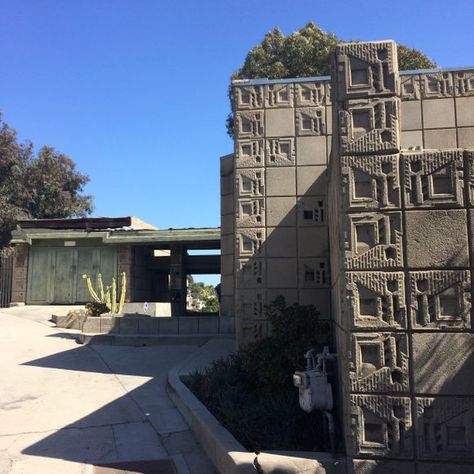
pixel 55 273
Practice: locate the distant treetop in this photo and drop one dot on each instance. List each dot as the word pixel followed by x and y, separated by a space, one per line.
pixel 306 53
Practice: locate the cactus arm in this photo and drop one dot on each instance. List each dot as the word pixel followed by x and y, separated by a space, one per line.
pixel 113 309
pixel 91 289
pixel 101 287
pixel 123 291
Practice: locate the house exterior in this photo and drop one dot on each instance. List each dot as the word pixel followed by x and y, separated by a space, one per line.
pixel 52 255
pixel 354 193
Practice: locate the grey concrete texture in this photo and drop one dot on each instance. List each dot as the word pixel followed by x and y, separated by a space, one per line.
pixel 437 239
pixel 66 407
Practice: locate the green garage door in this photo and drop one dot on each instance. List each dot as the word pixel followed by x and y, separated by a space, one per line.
pixel 55 273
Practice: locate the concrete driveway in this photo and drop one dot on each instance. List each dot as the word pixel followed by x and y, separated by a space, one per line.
pixel 65 407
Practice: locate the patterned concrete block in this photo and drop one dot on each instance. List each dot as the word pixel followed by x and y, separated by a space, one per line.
pixel 249 153
pixel 410 87
pixel 249 243
pixel 250 182
pixel 248 97
pixel 379 363
pixel 313 272
pixel 251 273
pixel 311 94
pixel 310 121
pixel 381 426
pixel 436 85
pixel 312 211
pixel 440 299
pixel 464 83
pixel 370 182
pixel 249 124
pixel 251 305
pixel 280 152
pixel 444 428
pixel 437 239
pixel 433 178
pixel 250 213
pixel 377 300
pixel 279 95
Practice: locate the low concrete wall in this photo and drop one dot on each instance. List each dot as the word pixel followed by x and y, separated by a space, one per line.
pixel 225 452
pixel 154 309
pixel 138 324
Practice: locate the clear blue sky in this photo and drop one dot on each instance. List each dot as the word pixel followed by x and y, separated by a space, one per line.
pixel 135 91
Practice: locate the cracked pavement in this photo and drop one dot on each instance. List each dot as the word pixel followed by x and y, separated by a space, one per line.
pixel 65 407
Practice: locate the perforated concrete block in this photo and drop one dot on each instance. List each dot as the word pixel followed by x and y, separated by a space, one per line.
pixel 370 182
pixel 281 181
pixel 443 363
pixel 249 124
pixel 374 241
pixel 279 95
pixel 379 363
pixel 436 85
pixel 280 152
pixel 279 122
pixel 313 242
pixel 410 115
pixel 438 113
pixel 320 298
pixel 376 300
pixel 311 121
pixel 251 273
pixel 381 426
pixel 465 111
pixel 433 178
pixel 313 272
pixel 440 299
pixel 440 138
pixel 437 239
pixel 412 139
pixel 312 180
pixel 466 137
pixel 281 242
pixel 249 153
pixel 369 126
pixel 311 150
pixel 312 211
pixel 366 69
pixel 444 429
pixel 281 211
pixel 366 466
pixel 282 273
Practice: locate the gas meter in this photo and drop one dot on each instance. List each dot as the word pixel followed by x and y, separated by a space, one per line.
pixel 315 390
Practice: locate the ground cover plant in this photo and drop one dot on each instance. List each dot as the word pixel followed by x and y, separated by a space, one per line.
pixel 252 394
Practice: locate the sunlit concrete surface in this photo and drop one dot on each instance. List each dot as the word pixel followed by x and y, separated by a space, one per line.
pixel 64 407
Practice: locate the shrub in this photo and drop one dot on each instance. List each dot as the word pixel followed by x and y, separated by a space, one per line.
pixel 96 309
pixel 252 394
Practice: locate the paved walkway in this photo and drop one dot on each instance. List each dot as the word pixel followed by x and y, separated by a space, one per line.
pixel 65 407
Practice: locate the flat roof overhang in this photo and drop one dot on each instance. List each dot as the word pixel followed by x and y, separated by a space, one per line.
pixel 198 238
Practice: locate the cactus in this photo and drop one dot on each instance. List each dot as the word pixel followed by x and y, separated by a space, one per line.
pixel 108 295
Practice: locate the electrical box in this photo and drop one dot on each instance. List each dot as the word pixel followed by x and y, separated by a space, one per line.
pixel 315 391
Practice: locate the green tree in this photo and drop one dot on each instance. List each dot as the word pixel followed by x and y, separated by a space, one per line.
pixel 305 53
pixel 46 185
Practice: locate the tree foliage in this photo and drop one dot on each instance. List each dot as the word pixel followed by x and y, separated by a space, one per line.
pixel 42 185
pixel 305 53
pixel 204 297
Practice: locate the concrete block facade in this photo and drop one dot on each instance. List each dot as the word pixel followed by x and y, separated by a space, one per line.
pixel 280 236
pixel 355 193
